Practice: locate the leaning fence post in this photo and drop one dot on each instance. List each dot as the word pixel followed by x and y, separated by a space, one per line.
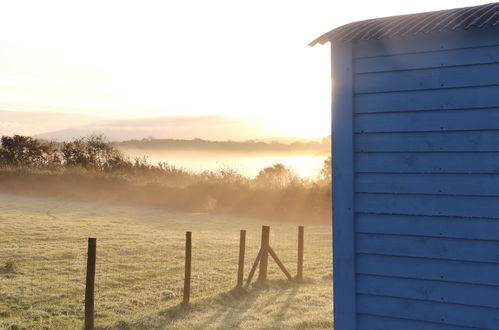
pixel 90 283
pixel 242 249
pixel 187 277
pixel 299 275
pixel 262 276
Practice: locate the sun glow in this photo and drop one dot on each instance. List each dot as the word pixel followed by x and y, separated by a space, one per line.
pixel 125 59
pixel 170 61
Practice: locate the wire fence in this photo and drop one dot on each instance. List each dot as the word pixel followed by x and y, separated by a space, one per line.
pixel 43 284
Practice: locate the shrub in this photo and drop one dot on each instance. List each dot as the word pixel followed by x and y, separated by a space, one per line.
pixel 326 173
pixel 278 175
pixel 94 152
pixel 25 151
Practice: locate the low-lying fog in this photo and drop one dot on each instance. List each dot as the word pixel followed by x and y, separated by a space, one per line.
pixel 305 165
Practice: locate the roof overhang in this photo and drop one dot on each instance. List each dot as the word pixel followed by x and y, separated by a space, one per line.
pixel 404 25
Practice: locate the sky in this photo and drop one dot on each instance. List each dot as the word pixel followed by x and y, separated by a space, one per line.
pixel 134 59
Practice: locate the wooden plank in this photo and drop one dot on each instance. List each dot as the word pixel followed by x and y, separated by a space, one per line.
pixel 374 322
pixel 447 184
pixel 457 206
pixel 430 269
pixel 451 314
pixel 438 291
pixel 428 162
pixel 450 227
pixel 444 120
pixel 343 195
pixel 428 141
pixel 437 99
pixel 429 247
pixel 435 59
pixel 436 78
pixel 444 40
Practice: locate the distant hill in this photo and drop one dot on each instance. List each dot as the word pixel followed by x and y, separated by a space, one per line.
pixel 172 127
pixel 60 126
pixel 32 123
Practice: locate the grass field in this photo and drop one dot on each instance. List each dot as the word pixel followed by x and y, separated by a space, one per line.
pixel 140 256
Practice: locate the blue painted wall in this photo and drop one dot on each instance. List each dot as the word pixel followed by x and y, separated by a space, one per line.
pixel 416 182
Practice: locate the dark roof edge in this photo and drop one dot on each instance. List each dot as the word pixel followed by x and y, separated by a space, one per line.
pixel 323 39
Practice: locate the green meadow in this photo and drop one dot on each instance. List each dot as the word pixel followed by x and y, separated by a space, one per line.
pixel 140 268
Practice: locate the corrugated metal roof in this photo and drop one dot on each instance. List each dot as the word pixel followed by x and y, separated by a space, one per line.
pixel 386 27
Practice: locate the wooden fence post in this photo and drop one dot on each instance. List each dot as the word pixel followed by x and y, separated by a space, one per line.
pixel 299 275
pixel 90 283
pixel 242 249
pixel 187 277
pixel 264 260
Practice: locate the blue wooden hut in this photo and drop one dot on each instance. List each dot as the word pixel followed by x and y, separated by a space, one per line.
pixel 416 170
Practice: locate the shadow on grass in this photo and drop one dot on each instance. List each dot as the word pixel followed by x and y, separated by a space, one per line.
pixel 228 309
pixel 235 311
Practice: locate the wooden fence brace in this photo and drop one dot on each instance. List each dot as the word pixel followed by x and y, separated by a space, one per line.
pixel 242 249
pixel 264 260
pixel 253 269
pixel 280 264
pixel 90 284
pixel 299 275
pixel 188 259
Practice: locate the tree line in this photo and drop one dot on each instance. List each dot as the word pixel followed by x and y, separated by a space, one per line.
pixel 92 152
pixel 95 153
pixel 91 168
pixel 323 146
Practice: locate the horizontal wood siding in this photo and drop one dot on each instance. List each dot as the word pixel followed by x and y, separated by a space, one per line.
pixel 430 226
pixel 425 60
pixel 426 143
pixel 425 310
pixel 429 247
pixel 433 99
pixel 428 121
pixel 430 205
pixel 436 291
pixel 375 322
pixel 421 183
pixel 427 162
pixel 428 268
pixel 434 78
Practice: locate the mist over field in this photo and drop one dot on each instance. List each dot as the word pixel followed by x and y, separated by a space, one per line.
pixel 307 166
pixel 304 157
pixel 92 168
